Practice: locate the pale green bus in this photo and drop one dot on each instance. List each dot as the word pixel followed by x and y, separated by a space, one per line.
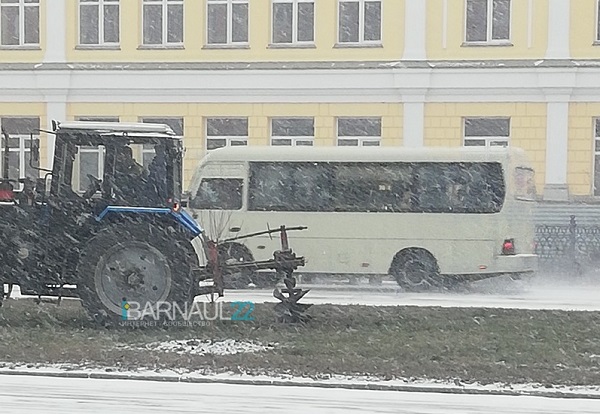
pixel 425 216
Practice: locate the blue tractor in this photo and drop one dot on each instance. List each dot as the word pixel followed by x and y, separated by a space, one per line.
pixel 106 228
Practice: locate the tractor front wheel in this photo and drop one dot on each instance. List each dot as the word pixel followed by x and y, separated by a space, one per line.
pixel 133 271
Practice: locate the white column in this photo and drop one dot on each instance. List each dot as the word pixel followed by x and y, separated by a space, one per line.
pixel 56 110
pixel 56 35
pixel 415 30
pixel 558 29
pixel 414 124
pixel 557 134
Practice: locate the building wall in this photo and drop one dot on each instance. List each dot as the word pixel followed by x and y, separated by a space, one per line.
pixel 583 26
pixel 259 116
pixel 446 32
pixel 581 147
pixel 421 80
pixel 444 127
pixel 259 47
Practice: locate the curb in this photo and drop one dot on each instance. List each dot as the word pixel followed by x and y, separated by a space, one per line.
pixel 287 383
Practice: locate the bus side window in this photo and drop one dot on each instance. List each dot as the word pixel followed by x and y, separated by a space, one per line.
pixel 219 194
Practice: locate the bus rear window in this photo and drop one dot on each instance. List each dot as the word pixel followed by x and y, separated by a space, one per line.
pixel 525 184
pixel 218 194
pixel 423 187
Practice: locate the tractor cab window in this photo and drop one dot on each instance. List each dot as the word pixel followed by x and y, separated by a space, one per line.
pixel 126 174
pixel 91 166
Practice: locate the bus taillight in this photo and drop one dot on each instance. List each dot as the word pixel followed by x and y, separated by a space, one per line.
pixel 508 247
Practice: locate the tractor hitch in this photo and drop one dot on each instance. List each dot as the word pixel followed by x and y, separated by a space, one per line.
pixel 284 263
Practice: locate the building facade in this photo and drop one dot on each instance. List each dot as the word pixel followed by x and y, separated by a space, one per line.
pixel 409 73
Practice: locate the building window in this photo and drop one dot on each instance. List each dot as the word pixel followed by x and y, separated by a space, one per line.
pixel 358 132
pixel 486 132
pixel 19 22
pixel 98 22
pixel 597 159
pixel 227 22
pixel 359 21
pixel 598 22
pixel 488 21
pixel 292 131
pixel 293 21
pixel 223 132
pixel 163 22
pixel 176 124
pixel 21 132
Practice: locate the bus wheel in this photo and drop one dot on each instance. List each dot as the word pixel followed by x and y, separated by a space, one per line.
pixel 231 254
pixel 415 270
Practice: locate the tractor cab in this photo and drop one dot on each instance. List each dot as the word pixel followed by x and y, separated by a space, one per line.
pixel 105 225
pixel 126 164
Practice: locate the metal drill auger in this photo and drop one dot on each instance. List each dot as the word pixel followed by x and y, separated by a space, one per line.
pixel 284 263
pixel 288 309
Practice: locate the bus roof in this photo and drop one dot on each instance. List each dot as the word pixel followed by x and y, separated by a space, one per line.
pixel 362 154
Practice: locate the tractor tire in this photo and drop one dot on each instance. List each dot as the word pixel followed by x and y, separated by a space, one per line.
pixel 415 270
pixel 230 254
pixel 144 262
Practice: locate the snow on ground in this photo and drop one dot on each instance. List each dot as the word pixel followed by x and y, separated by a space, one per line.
pixel 322 381
pixel 558 292
pixel 24 394
pixel 203 347
pixel 542 292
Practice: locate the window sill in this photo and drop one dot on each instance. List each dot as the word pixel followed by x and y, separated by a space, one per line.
pixel 97 47
pixel 487 44
pixel 596 43
pixel 160 47
pixel 20 47
pixel 357 45
pixel 227 46
pixel 291 46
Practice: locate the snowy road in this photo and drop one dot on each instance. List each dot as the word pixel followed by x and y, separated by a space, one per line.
pixel 27 394
pixel 539 293
pixel 534 294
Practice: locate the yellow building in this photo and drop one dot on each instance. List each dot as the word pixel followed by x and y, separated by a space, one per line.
pixel 317 72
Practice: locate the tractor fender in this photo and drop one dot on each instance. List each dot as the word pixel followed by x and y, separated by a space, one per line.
pixel 180 215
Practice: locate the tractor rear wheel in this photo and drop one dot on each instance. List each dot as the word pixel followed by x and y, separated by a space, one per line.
pixel 143 265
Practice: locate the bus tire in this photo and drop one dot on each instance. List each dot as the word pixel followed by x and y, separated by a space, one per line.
pixel 415 270
pixel 232 253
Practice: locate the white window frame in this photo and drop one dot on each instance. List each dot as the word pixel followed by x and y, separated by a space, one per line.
pixel 229 4
pixel 23 155
pixel 596 152
pixel 101 17
pixel 295 17
pixel 100 151
pixel 489 26
pixel 362 140
pixel 361 23
pixel 77 179
pixel 228 138
pixel 295 140
pixel 165 23
pixel 489 140
pixel 597 39
pixel 21 5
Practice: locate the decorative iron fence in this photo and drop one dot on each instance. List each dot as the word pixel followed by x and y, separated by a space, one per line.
pixel 568 247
